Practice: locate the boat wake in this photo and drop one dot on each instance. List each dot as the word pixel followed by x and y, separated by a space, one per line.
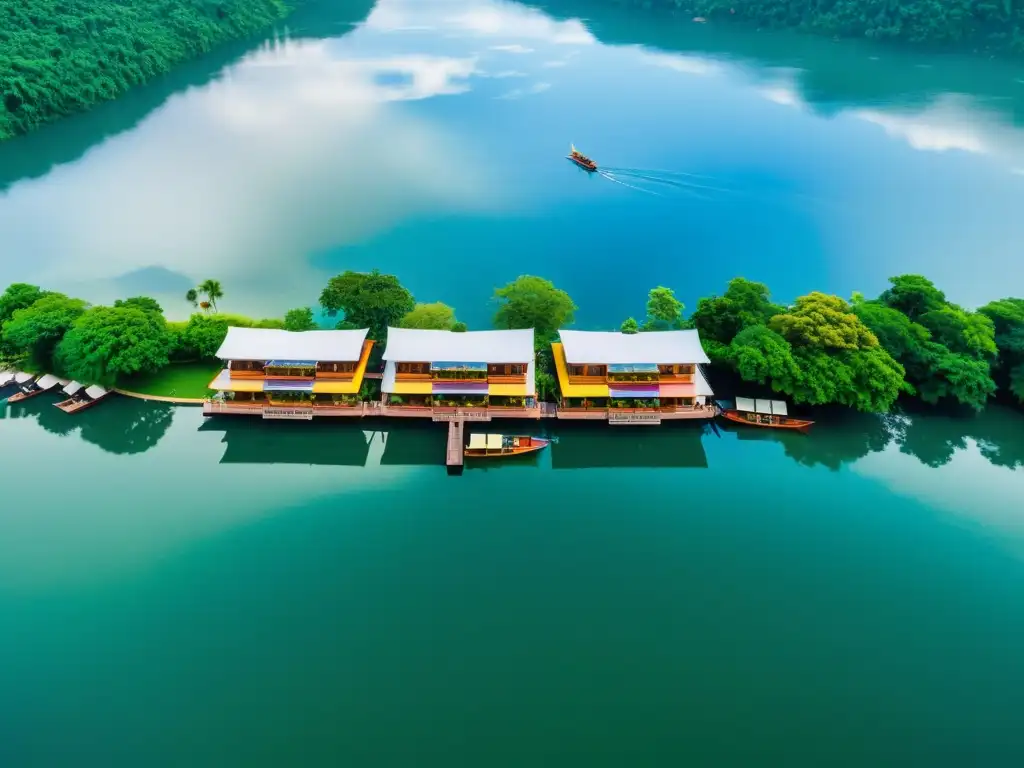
pixel 668 181
pixel 610 177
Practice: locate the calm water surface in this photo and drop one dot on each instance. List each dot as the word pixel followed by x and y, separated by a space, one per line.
pixel 179 593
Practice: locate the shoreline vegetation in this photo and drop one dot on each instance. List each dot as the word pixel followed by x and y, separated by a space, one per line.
pixel 59 58
pixel 910 342
pixel 961 25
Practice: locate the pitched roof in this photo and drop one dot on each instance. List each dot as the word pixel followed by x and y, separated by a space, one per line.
pixel 415 345
pixel 609 348
pixel 274 344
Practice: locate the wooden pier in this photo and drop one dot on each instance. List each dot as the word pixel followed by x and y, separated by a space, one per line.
pixel 454 457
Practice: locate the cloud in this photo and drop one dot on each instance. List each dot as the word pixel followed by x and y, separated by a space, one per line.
pixel 691 65
pixel 554 64
pixel 518 93
pixel 298 149
pixel 512 48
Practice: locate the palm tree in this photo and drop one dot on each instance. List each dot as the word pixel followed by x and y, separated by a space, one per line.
pixel 192 297
pixel 212 290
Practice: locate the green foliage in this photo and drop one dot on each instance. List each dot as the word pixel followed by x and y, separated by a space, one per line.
pixel 629 325
pixel 966 333
pixel 107 343
pixel 300 319
pixel 212 290
pixel 145 303
pixel 973 24
pixel 913 295
pixel 369 300
pixel 533 302
pixel 35 331
pixel 18 296
pixel 761 355
pixel 59 57
pixel 459 327
pixel 664 310
pixel 435 316
pixel 823 321
pixel 744 304
pixel 1007 316
pixel 204 334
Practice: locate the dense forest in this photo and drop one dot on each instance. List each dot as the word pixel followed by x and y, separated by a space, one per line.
pixel 58 57
pixel 980 25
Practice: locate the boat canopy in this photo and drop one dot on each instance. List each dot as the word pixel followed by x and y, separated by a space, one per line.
pixel 49 381
pixel 21 377
pixel 478 441
pixel 6 377
pixel 768 407
pixel 95 391
pixel 72 388
pixel 495 442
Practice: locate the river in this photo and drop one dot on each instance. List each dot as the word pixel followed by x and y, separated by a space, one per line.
pixel 174 592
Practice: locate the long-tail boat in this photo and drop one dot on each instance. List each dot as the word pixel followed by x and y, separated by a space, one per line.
pixel 581 160
pixel 489 446
pixel 773 414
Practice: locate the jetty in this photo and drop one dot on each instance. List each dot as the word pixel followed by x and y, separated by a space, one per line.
pixel 454 452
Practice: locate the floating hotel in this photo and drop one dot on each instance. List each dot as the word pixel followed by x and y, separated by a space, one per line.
pixel 642 378
pixel 291 374
pixel 632 378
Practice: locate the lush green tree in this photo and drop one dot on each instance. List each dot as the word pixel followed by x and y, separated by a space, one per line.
pixel 761 355
pixel 744 304
pixel 629 325
pixel 144 303
pixel 204 334
pixel 1007 316
pixel 36 330
pixel 212 290
pixel 965 333
pixel 823 321
pixel 368 299
pixel 913 295
pixel 107 343
pixel 18 296
pixel 533 302
pixel 459 327
pixel 192 297
pixel 300 319
pixel 435 316
pixel 664 310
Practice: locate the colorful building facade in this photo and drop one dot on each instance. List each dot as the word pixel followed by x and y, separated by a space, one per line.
pixel 611 374
pixel 437 370
pixel 267 368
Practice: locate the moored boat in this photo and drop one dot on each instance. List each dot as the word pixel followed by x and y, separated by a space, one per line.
pixel 81 397
pixel 29 386
pixel 581 160
pixel 773 414
pixel 481 445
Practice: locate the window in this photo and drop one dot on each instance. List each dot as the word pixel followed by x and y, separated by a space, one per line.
pixel 665 370
pixel 595 370
pixel 518 369
pixel 685 370
pixel 411 367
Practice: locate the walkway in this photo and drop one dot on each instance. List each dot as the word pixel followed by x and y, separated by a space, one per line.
pixel 454 453
pixel 160 399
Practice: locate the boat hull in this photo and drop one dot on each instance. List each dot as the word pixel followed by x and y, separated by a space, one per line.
pixel 536 444
pixel 17 397
pixel 73 406
pixel 588 167
pixel 777 422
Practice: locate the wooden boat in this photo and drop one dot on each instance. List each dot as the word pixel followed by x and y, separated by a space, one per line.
pixel 502 445
pixel 773 414
pixel 81 398
pixel 581 160
pixel 29 386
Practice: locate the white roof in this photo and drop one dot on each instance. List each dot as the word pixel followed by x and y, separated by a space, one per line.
pixel 416 345
pixel 49 381
pixel 777 407
pixel 274 344
pixel 702 388
pixel 21 377
pixel 72 388
pixel 744 404
pixel 655 347
pixel 95 391
pixel 494 442
pixel 6 377
pixel 477 440
pixel 763 406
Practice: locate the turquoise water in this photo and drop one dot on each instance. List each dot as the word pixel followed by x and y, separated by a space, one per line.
pixel 174 592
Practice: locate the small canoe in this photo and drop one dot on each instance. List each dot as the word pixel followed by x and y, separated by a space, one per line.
pixel 502 445
pixel 581 160
pixel 773 414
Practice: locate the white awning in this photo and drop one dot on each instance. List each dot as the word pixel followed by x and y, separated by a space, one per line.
pixel 49 381
pixel 477 441
pixel 72 388
pixel 414 345
pixel 494 442
pixel 22 377
pixel 702 388
pixel 95 391
pixel 779 408
pixel 763 406
pixel 744 404
pixel 652 347
pixel 274 344
pixel 6 377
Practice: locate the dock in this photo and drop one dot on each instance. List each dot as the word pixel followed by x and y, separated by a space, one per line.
pixel 454 454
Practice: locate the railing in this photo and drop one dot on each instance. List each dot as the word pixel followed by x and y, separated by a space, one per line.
pixel 617 416
pixel 301 414
pixel 461 414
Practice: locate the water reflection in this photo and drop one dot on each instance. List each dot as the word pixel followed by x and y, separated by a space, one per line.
pixel 598 446
pixel 318 443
